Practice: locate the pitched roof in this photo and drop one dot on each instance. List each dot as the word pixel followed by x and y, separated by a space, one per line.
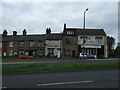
pixel 56 36
pixel 41 37
pixel 21 37
pixel 91 32
pixel 86 31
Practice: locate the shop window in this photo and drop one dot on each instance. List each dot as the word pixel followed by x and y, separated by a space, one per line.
pixel 10 44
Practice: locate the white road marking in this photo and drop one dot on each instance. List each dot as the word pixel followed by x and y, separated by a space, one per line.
pixel 3 87
pixel 49 84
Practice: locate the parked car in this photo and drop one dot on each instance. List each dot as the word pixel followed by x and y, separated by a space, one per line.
pixel 90 56
pixel 87 56
pixel 81 55
pixel 25 57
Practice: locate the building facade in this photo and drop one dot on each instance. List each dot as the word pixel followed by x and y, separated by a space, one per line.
pixel 67 44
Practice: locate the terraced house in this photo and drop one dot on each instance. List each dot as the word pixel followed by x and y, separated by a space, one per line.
pixel 70 43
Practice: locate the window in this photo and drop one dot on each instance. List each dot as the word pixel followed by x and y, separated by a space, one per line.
pixel 50 43
pixel 15 53
pixel 40 44
pixel 40 52
pixel 4 54
pixel 56 43
pixel 31 43
pixel 26 53
pixel 21 53
pixel 21 44
pixel 68 41
pixel 67 52
pixel 10 52
pixel 10 44
pixel 50 52
pixel 70 32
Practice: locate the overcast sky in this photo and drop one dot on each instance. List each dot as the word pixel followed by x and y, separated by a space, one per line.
pixel 35 17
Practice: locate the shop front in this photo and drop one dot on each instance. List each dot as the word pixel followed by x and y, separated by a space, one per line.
pixel 96 50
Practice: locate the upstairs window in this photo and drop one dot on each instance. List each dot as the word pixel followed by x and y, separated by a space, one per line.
pixel 50 43
pixel 40 44
pixel 31 43
pixel 21 44
pixel 70 32
pixel 56 43
pixel 10 44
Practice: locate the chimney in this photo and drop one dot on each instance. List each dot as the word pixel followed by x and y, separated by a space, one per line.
pixel 24 32
pixel 14 33
pixel 48 31
pixel 4 33
pixel 64 26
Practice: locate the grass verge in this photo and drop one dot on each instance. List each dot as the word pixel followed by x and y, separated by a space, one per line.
pixel 65 67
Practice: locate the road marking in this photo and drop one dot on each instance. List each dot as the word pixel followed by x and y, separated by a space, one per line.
pixel 49 84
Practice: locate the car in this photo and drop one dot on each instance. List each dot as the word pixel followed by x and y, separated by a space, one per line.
pixel 87 56
pixel 25 57
pixel 90 56
pixel 81 55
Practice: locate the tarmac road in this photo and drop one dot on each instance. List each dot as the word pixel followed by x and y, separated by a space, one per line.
pixel 76 79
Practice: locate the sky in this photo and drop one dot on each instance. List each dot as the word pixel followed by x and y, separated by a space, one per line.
pixel 35 17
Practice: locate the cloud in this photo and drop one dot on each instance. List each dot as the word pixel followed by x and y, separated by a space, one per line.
pixel 36 17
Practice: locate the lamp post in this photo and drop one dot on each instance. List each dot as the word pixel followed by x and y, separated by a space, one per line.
pixel 84 29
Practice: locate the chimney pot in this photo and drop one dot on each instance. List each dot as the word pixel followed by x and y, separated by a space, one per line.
pixel 14 33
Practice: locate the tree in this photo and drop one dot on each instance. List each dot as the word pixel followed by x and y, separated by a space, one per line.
pixel 117 51
pixel 110 44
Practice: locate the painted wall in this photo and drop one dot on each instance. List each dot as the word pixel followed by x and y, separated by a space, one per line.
pixel 53 44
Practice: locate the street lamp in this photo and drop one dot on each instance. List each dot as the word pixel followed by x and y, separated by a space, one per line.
pixel 84 18
pixel 84 29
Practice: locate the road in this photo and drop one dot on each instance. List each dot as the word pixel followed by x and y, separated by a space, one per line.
pixel 76 79
pixel 58 62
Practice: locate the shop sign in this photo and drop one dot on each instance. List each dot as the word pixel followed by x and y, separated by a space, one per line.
pixel 90 46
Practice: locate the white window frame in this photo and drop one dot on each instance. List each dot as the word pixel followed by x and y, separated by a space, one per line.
pixel 31 43
pixel 4 53
pixel 10 44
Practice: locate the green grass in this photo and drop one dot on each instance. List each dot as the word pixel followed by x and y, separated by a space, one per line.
pixel 41 68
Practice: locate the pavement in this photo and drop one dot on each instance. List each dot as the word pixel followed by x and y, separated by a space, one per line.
pixel 76 79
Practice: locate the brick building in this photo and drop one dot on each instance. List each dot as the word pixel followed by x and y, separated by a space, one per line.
pixel 67 44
